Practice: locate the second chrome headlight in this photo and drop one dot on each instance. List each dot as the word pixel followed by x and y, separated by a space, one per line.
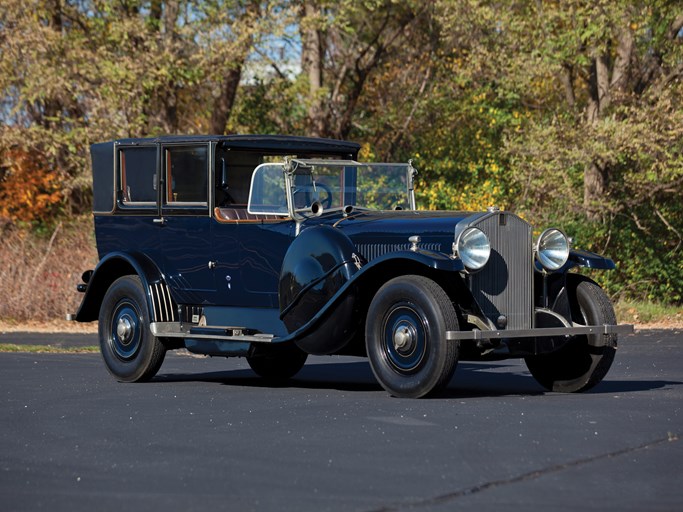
pixel 473 247
pixel 552 249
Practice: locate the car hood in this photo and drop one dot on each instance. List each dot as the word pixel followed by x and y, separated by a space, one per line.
pixel 378 232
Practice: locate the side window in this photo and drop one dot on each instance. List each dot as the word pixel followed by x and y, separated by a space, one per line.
pixel 137 174
pixel 186 175
pixel 267 194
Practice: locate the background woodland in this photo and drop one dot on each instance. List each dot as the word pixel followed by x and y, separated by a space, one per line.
pixel 568 112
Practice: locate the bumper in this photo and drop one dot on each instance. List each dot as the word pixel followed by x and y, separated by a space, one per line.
pixel 477 334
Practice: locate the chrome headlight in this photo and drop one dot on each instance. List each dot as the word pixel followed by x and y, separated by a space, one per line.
pixel 473 247
pixel 552 249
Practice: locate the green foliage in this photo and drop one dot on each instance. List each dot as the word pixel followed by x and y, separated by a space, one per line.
pixel 634 312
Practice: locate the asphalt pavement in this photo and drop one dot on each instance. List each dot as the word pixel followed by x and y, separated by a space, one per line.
pixel 208 434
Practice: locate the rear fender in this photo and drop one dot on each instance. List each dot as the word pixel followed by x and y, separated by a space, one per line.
pixel 117 264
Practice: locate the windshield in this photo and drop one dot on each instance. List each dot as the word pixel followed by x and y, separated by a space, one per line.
pixel 277 187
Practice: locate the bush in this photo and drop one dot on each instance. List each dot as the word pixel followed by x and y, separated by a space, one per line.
pixel 41 269
pixel 648 266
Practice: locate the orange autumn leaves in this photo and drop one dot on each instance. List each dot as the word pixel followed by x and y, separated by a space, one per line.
pixel 28 191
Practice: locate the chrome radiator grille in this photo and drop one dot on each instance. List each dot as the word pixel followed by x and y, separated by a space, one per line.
pixel 505 285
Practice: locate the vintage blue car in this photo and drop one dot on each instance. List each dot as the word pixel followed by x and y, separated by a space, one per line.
pixel 276 247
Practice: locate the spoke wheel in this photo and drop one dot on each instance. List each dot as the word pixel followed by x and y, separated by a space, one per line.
pixel 405 337
pixel 128 348
pixel 584 360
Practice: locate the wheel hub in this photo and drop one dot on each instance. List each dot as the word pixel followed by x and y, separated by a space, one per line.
pixel 404 337
pixel 124 330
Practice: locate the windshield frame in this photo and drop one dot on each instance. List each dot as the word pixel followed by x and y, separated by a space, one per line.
pixel 297 168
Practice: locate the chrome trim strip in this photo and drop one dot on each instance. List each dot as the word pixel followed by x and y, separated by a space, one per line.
pixel 168 303
pixel 157 303
pixel 175 330
pixel 539 333
pixel 162 302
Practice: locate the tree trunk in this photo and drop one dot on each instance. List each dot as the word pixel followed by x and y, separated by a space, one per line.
pixel 595 182
pixel 312 64
pixel 603 90
pixel 567 79
pixel 223 104
pixel 229 84
pixel 595 178
pixel 599 88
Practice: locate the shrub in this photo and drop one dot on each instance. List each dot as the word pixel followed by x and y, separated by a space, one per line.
pixel 40 271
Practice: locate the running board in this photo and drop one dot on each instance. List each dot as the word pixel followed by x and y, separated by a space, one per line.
pixel 222 333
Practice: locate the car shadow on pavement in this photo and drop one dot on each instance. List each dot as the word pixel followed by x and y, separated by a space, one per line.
pixel 342 377
pixel 630 386
pixel 471 380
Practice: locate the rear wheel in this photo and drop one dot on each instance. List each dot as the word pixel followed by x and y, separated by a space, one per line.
pixel 584 360
pixel 405 337
pixel 130 351
pixel 279 363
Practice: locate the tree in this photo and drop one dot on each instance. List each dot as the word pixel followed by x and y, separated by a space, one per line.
pixel 73 73
pixel 344 45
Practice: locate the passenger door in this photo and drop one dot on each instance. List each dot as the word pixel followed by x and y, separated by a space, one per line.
pixel 133 227
pixel 185 224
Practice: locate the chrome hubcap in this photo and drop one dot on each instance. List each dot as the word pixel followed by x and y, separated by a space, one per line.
pixel 404 337
pixel 124 330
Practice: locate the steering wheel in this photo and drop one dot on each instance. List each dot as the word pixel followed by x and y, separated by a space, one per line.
pixel 327 200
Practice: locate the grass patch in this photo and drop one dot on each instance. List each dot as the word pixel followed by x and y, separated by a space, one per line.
pixel 47 349
pixel 632 312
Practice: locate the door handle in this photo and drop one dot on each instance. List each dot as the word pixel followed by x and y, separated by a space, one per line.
pixel 161 221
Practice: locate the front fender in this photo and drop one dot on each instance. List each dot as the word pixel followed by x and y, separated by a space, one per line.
pixel 115 265
pixel 587 259
pixel 324 327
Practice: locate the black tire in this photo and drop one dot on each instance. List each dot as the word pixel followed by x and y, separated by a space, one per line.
pixel 584 360
pixel 278 364
pixel 405 336
pixel 130 351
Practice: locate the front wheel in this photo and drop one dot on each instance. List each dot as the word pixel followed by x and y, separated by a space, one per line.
pixel 405 337
pixel 130 351
pixel 584 360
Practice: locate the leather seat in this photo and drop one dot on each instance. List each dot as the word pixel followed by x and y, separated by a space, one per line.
pixel 238 212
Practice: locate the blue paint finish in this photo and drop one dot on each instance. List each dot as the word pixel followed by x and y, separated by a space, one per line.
pixel 265 320
pixel 591 260
pixel 133 233
pixel 110 268
pixel 186 252
pixel 248 259
pixel 579 258
pixel 406 259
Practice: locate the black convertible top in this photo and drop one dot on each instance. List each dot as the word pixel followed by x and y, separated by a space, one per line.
pixel 266 142
pixel 103 154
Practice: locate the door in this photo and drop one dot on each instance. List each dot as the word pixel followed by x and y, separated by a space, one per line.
pixel 185 224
